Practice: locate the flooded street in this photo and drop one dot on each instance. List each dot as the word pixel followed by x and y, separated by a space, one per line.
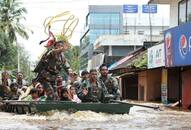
pixel 139 119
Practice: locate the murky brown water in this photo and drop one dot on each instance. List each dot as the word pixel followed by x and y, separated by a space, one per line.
pixel 138 119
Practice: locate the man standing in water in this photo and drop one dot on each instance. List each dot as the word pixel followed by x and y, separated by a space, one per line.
pixel 109 82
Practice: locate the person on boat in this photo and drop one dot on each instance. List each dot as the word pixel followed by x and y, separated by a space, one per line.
pixel 33 95
pixel 5 83
pixel 20 80
pixel 72 94
pixel 75 81
pixel 109 82
pixel 51 64
pixel 65 94
pixel 41 92
pixel 58 86
pixel 84 76
pixel 14 94
pixel 93 91
pixel 25 93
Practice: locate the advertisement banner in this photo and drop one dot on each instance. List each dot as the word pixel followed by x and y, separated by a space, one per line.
pixel 130 8
pixel 149 8
pixel 178 46
pixel 164 89
pixel 156 57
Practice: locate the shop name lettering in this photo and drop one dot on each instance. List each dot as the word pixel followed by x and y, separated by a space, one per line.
pixel 158 56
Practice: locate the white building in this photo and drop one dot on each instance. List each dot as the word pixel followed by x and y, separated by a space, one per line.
pixel 139 29
pixel 180 10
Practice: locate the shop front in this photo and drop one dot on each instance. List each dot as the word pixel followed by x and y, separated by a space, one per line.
pixel 178 60
pixel 150 81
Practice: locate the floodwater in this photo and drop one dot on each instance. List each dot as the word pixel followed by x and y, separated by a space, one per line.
pixel 139 118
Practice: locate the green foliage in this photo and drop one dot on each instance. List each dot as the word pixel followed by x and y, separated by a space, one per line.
pixel 140 61
pixel 73 57
pixel 61 38
pixel 7 52
pixel 11 14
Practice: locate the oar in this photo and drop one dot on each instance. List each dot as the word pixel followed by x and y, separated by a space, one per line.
pixel 152 107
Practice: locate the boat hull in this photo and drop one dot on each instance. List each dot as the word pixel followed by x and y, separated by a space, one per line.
pixel 22 107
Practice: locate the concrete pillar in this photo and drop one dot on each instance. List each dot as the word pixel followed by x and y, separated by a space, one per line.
pixel 173 13
pixel 110 51
pixel 164 90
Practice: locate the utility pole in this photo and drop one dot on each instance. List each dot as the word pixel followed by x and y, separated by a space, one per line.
pixel 150 24
pixel 18 57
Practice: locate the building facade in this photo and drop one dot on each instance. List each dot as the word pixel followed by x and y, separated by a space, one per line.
pixel 139 29
pixel 180 10
pixel 129 31
pixel 101 19
pixel 177 50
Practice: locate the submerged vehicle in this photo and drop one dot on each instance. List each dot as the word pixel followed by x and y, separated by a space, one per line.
pixel 23 107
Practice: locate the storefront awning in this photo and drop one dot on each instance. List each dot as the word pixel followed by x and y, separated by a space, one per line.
pixel 137 62
pixel 126 58
pixel 132 59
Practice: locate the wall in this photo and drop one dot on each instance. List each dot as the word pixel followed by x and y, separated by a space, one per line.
pixel 174 13
pixel 142 85
pixel 154 84
pixel 173 10
pixel 186 88
pixel 150 83
pixel 122 50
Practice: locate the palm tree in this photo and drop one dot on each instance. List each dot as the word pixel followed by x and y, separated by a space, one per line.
pixel 11 14
pixel 7 52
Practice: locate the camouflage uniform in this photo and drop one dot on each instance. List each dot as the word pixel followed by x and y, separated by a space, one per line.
pixel 49 67
pixel 112 85
pixel 95 92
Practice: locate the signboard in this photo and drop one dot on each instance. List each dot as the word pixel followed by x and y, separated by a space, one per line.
pixel 178 46
pixel 156 56
pixel 130 8
pixel 149 8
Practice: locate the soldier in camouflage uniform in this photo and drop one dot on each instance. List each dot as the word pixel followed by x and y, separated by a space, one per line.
pixel 92 91
pixel 110 82
pixel 51 64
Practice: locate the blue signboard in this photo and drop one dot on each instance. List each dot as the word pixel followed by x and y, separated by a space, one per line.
pixel 178 46
pixel 149 8
pixel 130 8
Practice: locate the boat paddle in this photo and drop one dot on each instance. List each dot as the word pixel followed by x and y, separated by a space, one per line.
pixel 152 107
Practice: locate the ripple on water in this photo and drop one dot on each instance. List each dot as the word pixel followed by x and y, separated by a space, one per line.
pixel 139 118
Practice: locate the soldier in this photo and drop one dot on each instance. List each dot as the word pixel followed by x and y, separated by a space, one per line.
pixel 51 64
pixel 110 82
pixel 93 91
pixel 84 76
pixel 58 86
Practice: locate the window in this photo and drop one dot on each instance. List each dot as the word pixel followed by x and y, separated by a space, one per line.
pixel 182 12
pixel 127 32
pixel 189 11
pixel 105 18
pixel 140 32
pixel 161 32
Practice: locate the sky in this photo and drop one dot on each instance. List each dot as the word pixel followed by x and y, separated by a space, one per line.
pixel 38 10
